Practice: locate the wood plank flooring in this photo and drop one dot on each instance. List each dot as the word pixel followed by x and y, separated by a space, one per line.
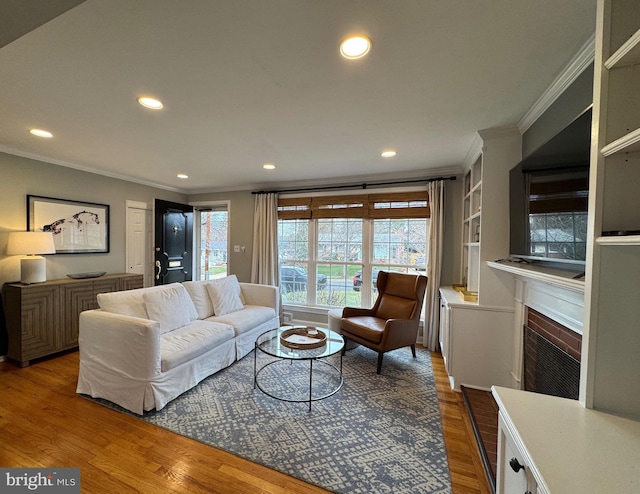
pixel 43 423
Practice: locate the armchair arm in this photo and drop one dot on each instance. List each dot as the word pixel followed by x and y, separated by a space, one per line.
pixel 127 344
pixel 356 312
pixel 399 332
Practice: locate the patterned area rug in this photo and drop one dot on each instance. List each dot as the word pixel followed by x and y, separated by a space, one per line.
pixel 378 434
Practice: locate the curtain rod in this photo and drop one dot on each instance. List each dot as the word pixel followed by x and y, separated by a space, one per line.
pixel 353 186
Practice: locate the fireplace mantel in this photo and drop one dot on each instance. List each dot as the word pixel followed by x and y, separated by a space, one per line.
pixel 554 293
pixel 556 277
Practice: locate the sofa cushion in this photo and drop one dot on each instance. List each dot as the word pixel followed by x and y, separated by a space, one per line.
pixel 225 295
pixel 188 342
pixel 128 302
pixel 172 308
pixel 200 297
pixel 246 320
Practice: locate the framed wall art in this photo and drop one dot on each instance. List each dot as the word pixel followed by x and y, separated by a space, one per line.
pixel 77 227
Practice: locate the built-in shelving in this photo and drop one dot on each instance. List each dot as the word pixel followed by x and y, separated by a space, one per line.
pixel 619 240
pixel 612 340
pixel 627 55
pixel 629 143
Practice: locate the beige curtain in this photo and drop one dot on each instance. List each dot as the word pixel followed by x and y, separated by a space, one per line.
pixel 434 265
pixel 264 262
pixel 265 268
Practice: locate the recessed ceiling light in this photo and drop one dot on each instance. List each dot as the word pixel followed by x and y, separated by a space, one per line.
pixel 355 47
pixel 269 166
pixel 41 133
pixel 182 175
pixel 388 154
pixel 152 103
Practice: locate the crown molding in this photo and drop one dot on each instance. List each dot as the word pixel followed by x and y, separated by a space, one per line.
pixel 474 152
pixel 576 66
pixel 95 171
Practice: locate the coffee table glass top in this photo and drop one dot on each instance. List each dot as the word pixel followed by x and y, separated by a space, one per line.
pixel 270 344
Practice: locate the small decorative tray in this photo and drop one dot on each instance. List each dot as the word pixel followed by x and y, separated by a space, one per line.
pixel 82 276
pixel 301 339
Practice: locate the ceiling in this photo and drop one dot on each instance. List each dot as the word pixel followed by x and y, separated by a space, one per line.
pixel 246 82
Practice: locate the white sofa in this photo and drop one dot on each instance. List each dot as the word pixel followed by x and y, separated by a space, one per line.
pixel 143 348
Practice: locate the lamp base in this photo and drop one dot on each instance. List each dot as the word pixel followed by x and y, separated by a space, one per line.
pixel 33 269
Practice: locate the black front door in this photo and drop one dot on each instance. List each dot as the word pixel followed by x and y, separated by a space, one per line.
pixel 174 242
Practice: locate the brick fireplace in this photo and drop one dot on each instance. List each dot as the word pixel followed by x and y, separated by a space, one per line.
pixel 552 308
pixel 551 356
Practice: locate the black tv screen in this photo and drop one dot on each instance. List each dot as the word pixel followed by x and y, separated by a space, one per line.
pixel 548 198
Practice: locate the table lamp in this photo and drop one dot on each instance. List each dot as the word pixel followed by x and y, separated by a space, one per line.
pixel 33 268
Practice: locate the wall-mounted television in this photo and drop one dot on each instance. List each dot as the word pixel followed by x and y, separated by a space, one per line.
pixel 548 198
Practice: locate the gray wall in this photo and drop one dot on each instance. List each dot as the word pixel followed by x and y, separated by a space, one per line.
pixel 569 105
pixel 240 228
pixel 23 176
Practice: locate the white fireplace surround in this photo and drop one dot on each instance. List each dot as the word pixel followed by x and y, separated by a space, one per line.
pixel 555 294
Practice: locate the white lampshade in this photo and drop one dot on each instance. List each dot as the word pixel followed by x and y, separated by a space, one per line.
pixel 33 268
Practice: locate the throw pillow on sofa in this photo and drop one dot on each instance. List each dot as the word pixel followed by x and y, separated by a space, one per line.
pixel 172 307
pixel 200 297
pixel 225 295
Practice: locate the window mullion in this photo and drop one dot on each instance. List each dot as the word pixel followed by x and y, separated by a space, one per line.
pixel 312 267
pixel 367 246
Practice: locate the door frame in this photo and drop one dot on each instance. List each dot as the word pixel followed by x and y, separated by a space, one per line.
pixel 197 207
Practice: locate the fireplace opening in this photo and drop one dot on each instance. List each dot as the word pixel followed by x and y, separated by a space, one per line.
pixel 551 357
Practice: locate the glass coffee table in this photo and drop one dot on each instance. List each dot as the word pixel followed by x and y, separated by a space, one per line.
pixel 301 372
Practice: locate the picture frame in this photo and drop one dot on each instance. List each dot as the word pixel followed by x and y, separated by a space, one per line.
pixel 78 227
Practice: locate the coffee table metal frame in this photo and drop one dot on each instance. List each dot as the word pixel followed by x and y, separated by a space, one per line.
pixel 269 343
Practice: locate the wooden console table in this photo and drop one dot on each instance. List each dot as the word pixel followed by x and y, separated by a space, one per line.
pixel 43 318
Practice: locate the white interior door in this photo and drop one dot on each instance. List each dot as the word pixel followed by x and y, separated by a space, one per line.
pixel 139 240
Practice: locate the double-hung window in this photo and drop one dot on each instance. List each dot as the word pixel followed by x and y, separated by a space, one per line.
pixel 331 248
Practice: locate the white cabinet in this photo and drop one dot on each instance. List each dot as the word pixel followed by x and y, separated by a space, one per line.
pixel 611 343
pixel 513 471
pixel 564 447
pixel 475 341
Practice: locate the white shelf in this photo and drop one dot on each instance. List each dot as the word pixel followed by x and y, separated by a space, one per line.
pixel 474 216
pixel 627 55
pixel 629 143
pixel 619 240
pixel 552 276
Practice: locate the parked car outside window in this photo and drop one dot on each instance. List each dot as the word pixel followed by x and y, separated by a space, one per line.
pixel 357 280
pixel 294 279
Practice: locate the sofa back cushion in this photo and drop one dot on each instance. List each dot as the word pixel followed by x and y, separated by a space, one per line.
pixel 200 297
pixel 226 295
pixel 172 307
pixel 127 303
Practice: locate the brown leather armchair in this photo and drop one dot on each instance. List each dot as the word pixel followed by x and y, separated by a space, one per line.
pixel 393 320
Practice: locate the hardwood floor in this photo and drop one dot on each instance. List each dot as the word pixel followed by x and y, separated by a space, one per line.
pixel 43 423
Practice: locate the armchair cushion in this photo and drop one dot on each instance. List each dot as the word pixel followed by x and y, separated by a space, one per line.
pixel 392 307
pixel 367 327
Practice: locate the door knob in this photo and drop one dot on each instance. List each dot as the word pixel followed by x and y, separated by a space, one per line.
pixel 159 266
pixel 515 464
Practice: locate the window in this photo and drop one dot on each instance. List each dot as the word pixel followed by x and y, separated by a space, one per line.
pixel 558 235
pixel 332 248
pixel 212 241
